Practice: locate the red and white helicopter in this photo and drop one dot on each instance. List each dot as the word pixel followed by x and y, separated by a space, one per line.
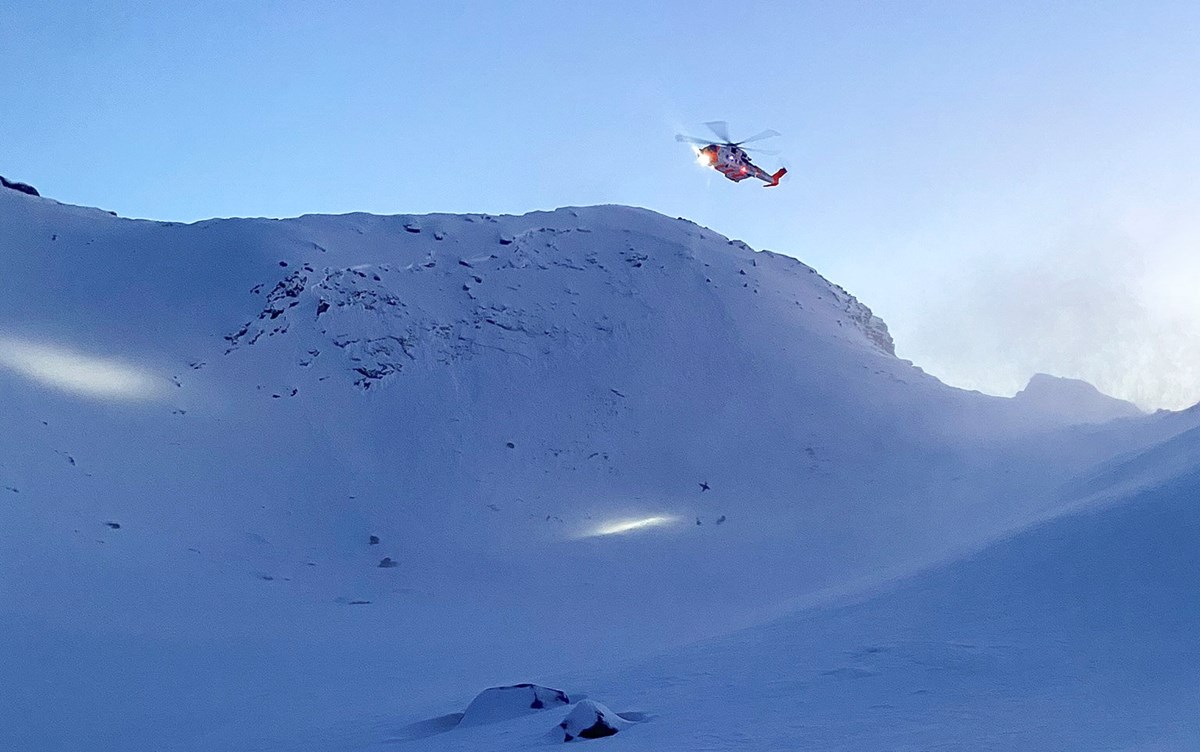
pixel 729 158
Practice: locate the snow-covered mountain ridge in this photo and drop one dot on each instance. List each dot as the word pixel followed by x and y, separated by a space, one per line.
pixel 583 437
pixel 463 285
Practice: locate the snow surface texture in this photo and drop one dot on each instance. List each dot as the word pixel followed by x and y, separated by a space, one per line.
pixel 599 449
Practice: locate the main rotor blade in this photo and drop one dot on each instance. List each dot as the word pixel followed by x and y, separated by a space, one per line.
pixel 692 139
pixel 759 137
pixel 764 152
pixel 721 128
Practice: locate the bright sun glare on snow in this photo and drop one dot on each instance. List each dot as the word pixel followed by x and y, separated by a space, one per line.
pixel 616 527
pixel 73 371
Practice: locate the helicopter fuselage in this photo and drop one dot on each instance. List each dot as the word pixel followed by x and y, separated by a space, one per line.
pixel 735 164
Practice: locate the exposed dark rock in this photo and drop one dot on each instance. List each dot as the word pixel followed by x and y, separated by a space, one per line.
pixel 372 374
pixel 114 525
pixel 591 720
pixel 22 187
pixel 373 540
pixel 597 730
pixel 388 562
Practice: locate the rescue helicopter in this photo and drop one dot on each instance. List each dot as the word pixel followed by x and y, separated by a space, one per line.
pixel 729 158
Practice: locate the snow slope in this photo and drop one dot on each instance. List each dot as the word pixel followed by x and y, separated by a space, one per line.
pixel 585 438
pixel 1075 634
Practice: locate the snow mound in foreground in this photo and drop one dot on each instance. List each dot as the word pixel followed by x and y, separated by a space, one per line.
pixel 591 720
pixel 503 703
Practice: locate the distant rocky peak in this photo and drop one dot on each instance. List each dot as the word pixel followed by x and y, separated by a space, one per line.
pixel 1074 399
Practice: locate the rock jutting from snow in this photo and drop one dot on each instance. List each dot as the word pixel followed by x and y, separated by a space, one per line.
pixel 22 187
pixel 591 720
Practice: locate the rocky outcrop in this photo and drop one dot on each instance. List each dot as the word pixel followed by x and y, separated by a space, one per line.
pixel 591 720
pixel 22 187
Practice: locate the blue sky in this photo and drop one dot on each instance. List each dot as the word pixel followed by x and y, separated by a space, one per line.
pixel 1012 185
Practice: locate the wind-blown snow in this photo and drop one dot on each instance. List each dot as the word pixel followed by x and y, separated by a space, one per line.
pixel 477 400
